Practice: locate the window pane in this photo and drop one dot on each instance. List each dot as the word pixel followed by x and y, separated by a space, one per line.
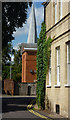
pixel 69 53
pixel 58 75
pixel 69 58
pixel 58 65
pixel 60 9
pixel 50 72
pixel 58 56
pixel 55 11
pixel 68 63
pixel 49 76
pixel 68 73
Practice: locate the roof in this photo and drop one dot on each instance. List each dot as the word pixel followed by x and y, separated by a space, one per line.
pixel 28 47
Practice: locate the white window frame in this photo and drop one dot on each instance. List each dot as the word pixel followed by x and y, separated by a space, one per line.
pixel 55 11
pixel 58 66
pixel 68 66
pixel 60 9
pixel 49 74
pixel 68 63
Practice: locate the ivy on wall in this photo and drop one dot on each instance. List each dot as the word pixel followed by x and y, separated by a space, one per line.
pixel 43 56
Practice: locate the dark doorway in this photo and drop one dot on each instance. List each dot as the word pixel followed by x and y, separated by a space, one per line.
pixel 57 109
pixel 29 90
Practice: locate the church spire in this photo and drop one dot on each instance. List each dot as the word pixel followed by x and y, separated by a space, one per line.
pixel 32 36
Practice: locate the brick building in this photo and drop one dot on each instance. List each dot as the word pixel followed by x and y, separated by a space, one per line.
pixel 29 50
pixel 29 65
pixel 29 68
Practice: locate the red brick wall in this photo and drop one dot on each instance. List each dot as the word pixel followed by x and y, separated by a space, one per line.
pixel 9 86
pixel 28 63
pixel 24 67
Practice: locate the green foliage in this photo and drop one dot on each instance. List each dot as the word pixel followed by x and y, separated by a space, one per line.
pixel 43 55
pixel 16 67
pixel 6 61
pixel 14 14
pixel 47 53
pixel 16 77
pixel 5 71
pixel 6 53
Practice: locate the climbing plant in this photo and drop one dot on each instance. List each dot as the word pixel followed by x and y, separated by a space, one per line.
pixel 43 56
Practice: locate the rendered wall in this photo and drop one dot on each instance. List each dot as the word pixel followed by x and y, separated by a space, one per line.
pixel 59 95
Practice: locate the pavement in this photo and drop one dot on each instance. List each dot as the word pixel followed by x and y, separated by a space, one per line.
pixel 50 115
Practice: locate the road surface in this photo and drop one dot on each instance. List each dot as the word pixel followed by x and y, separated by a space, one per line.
pixel 16 107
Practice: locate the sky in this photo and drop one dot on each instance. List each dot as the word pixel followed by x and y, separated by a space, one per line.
pixel 21 34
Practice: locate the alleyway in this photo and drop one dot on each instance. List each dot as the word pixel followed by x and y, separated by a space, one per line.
pixel 16 107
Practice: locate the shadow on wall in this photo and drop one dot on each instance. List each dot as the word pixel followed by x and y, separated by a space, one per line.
pixel 29 90
pixel 48 104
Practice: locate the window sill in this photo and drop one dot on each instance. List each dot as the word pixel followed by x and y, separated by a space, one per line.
pixel 57 86
pixel 66 85
pixel 48 86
